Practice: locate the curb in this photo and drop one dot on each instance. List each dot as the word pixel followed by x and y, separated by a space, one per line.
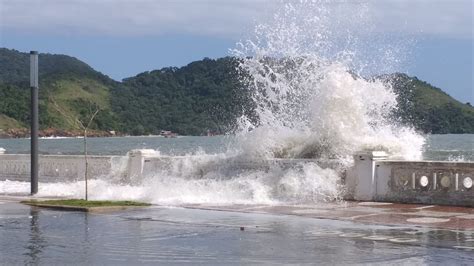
pixel 82 209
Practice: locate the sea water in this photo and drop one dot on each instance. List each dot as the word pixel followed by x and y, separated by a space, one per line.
pixel 446 147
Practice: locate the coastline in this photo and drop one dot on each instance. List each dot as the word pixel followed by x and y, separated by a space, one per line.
pixel 54 133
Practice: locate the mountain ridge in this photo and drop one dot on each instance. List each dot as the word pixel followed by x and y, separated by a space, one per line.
pixel 203 96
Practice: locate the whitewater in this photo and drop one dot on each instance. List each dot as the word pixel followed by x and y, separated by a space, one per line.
pixel 310 71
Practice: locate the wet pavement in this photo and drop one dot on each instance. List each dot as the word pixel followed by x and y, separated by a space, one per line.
pixel 348 233
pixel 431 216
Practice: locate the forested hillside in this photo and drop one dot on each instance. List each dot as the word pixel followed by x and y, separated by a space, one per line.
pixel 429 108
pixel 70 83
pixel 204 96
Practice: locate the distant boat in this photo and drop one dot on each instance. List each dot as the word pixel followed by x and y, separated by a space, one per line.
pixel 211 133
pixel 168 134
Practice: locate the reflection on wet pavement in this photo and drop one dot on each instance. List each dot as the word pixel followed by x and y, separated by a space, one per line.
pixel 181 235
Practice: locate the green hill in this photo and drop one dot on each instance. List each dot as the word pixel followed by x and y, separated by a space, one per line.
pixel 14 67
pixel 203 96
pixel 69 82
pixel 429 108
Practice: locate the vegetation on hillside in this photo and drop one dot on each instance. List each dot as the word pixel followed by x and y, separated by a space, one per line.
pixel 14 68
pixel 70 81
pixel 429 109
pixel 204 96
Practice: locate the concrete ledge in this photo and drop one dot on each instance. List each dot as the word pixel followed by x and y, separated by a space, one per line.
pixel 81 208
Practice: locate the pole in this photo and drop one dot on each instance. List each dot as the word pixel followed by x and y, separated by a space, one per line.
pixel 34 120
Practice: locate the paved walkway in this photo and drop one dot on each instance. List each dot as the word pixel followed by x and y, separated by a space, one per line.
pixel 431 216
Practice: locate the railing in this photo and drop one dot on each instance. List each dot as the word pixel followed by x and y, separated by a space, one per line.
pixel 58 168
pixel 427 182
pixel 372 176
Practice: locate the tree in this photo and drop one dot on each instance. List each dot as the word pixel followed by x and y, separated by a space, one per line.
pixel 84 125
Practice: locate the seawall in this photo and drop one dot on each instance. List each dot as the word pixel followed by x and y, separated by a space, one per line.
pixel 372 178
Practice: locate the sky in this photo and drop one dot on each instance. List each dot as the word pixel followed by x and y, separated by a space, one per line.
pixel 122 38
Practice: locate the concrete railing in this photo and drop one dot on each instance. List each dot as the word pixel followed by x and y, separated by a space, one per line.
pixel 376 178
pixel 373 177
pixel 146 165
pixel 60 168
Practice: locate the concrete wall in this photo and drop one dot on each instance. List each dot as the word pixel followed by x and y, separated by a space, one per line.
pixel 147 164
pixel 60 168
pixel 425 182
pixel 372 177
pixel 224 167
pixel 137 165
pixel 377 179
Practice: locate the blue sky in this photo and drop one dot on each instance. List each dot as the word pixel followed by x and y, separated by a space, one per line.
pixel 122 38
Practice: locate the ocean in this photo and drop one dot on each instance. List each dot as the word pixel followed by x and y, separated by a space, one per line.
pixel 449 147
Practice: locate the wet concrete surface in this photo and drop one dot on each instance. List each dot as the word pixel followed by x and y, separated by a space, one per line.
pixel 431 216
pixel 345 233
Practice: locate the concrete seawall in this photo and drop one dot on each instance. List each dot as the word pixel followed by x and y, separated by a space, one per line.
pixel 60 168
pixel 372 178
pixel 376 178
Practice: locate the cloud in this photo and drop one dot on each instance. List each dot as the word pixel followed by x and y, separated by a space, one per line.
pixel 450 18
pixel 227 19
pixel 130 18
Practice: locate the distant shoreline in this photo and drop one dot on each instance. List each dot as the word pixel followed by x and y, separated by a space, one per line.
pixel 18 133
pixel 23 133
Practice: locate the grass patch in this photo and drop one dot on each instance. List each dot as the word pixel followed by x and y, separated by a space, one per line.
pixel 8 122
pixel 87 204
